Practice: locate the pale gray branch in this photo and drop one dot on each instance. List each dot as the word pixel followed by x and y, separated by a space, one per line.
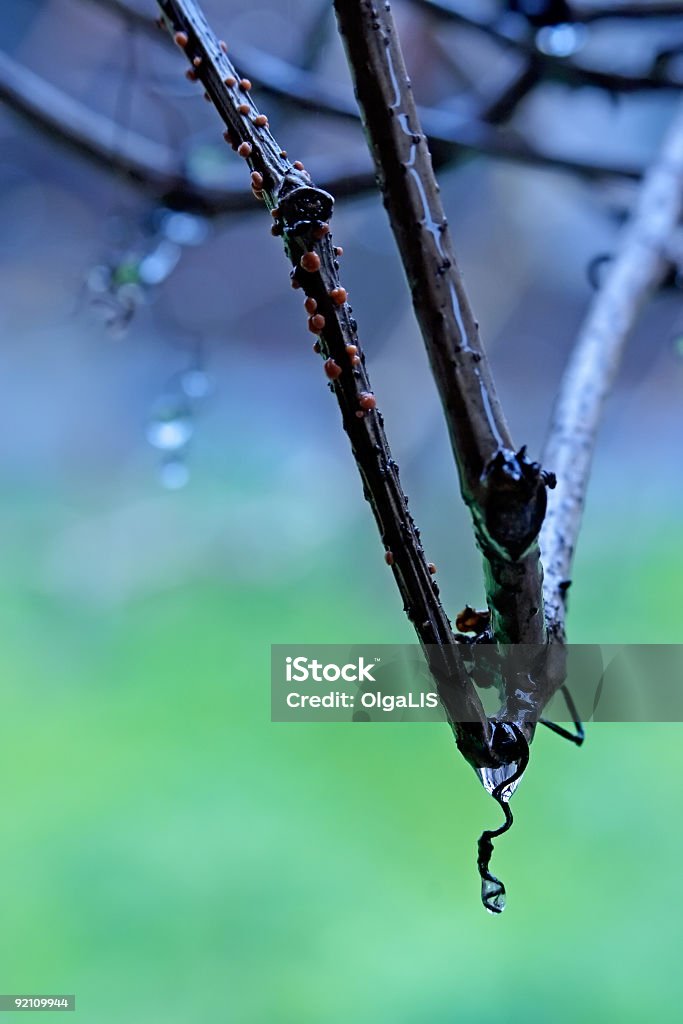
pixel 638 267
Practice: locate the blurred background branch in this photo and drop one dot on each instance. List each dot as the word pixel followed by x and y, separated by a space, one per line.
pixel 483 124
pixel 638 266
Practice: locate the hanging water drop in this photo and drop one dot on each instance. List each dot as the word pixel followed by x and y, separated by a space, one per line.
pixel 156 266
pixel 500 782
pixel 493 895
pixel 492 778
pixel 184 228
pixel 170 429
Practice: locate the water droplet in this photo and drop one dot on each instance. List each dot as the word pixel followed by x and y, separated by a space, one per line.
pixel 158 264
pixel 184 228
pixel 170 429
pixel 195 383
pixel 491 778
pixel 493 895
pixel 560 40
pixel 174 474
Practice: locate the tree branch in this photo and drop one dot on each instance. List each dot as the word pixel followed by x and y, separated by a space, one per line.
pixel 557 69
pixel 309 91
pixel 504 491
pixel 626 10
pixel 145 161
pixel 637 269
pixel 301 213
pixel 160 170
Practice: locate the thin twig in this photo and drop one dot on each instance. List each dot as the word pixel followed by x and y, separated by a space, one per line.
pixel 638 267
pixel 309 91
pixel 157 168
pixel 301 214
pixel 142 159
pixel 626 10
pixel 557 69
pixel 147 163
pixel 505 492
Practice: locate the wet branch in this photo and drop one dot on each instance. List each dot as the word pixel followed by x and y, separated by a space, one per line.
pixel 506 493
pixel 301 213
pixel 639 265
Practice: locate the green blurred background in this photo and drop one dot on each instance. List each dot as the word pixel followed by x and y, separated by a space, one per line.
pixel 168 854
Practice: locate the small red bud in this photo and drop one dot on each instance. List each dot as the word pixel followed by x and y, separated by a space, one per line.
pixel 367 401
pixel 316 323
pixel 332 369
pixel 310 261
pixel 244 149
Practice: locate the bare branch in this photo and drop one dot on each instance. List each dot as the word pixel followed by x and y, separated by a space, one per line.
pixel 638 267
pixel 55 112
pixel 557 69
pixel 145 162
pixel 301 213
pixel 504 491
pixel 309 91
pixel 588 12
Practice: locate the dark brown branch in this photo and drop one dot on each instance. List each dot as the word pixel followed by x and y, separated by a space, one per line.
pixel 638 267
pixel 505 493
pixel 301 214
